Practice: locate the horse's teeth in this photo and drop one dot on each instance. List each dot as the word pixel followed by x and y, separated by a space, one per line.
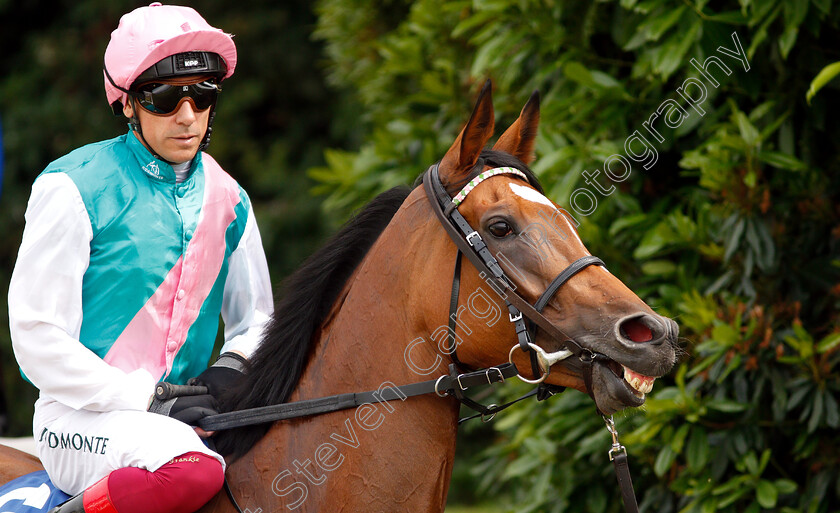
pixel 640 383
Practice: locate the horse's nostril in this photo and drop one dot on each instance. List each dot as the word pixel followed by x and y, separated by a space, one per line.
pixel 635 330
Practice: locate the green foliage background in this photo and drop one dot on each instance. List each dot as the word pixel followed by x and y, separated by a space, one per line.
pixel 734 231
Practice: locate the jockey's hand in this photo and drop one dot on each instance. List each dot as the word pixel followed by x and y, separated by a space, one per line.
pixel 222 375
pixel 189 409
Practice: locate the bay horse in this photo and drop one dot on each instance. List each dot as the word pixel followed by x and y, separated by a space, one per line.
pixel 371 310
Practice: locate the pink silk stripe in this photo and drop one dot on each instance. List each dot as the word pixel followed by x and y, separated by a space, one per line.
pixel 156 333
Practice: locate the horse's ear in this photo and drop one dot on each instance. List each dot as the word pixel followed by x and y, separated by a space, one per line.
pixel 464 152
pixel 518 140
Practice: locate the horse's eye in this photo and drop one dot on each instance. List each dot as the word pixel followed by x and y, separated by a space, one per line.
pixel 500 229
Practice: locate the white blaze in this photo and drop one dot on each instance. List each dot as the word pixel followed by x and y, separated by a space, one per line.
pixel 530 194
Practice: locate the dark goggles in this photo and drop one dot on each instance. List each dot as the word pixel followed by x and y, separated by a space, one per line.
pixel 164 99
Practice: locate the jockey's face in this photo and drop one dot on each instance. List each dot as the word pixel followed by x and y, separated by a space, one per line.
pixel 176 136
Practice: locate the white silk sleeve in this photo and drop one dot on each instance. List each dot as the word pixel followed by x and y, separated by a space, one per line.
pixel 45 306
pixel 247 303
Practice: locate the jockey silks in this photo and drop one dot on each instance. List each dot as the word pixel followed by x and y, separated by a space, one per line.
pixel 137 268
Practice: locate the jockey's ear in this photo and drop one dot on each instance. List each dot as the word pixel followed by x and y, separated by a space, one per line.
pixel 519 139
pixel 462 156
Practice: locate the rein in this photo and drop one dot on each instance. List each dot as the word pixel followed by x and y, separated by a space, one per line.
pixel 452 384
pixel 469 243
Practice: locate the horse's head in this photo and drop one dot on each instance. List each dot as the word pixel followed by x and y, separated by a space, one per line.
pixel 534 241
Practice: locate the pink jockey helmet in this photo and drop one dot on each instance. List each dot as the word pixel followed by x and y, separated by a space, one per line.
pixel 150 34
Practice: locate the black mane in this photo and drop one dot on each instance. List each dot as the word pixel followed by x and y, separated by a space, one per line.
pixel 306 297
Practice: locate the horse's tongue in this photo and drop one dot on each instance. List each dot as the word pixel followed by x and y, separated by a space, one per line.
pixel 641 383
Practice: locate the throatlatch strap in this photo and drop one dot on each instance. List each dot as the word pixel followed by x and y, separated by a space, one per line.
pixel 453 313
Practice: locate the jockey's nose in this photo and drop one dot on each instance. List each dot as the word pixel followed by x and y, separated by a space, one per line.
pixel 644 328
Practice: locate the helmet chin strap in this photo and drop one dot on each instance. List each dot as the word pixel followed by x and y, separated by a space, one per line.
pixel 206 141
pixel 134 122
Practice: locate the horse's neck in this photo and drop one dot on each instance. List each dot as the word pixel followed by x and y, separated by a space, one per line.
pixel 384 456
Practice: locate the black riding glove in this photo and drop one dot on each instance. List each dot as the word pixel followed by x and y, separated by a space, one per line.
pixel 222 375
pixel 219 377
pixel 189 409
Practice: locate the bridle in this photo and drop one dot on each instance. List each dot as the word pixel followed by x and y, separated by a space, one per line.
pixel 469 243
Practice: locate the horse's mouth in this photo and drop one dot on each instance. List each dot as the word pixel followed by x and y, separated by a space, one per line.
pixel 625 366
pixel 615 386
pixel 628 363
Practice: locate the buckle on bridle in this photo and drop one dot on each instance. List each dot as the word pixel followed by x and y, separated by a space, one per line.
pixel 458 379
pixel 471 235
pixel 487 375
